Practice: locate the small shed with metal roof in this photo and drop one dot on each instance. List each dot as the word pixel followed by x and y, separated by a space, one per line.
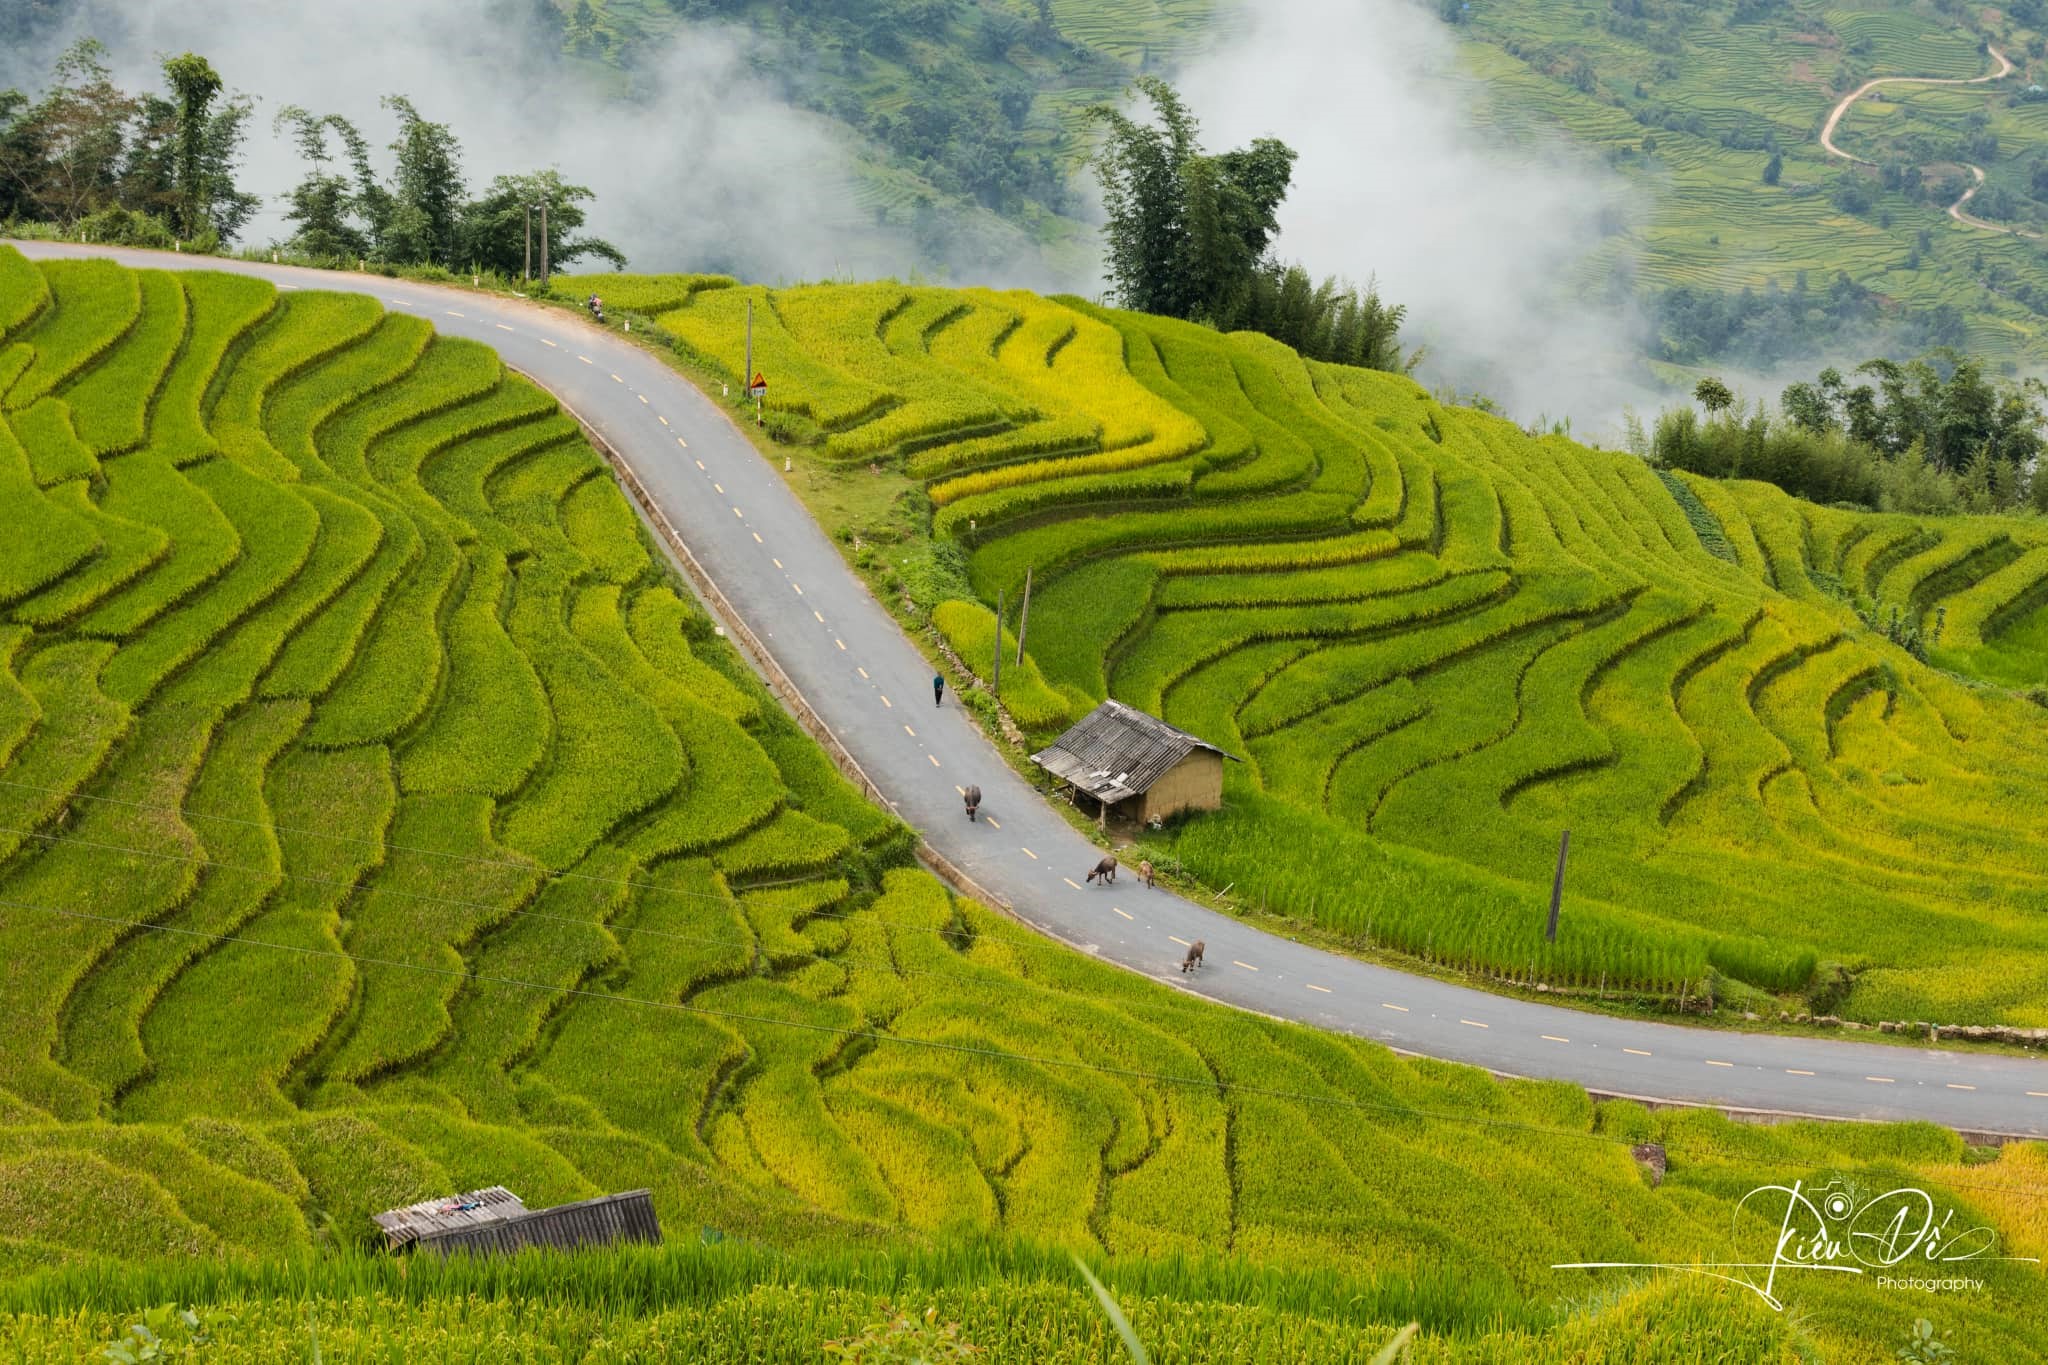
pixel 498 1220
pixel 1124 759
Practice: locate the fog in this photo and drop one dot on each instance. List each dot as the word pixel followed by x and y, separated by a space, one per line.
pixel 1398 179
pixel 697 161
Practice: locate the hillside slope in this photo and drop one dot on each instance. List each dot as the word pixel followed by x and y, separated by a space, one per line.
pixel 381 822
pixel 1438 642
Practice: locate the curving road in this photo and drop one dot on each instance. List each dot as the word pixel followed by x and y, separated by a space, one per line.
pixel 1955 210
pixel 868 682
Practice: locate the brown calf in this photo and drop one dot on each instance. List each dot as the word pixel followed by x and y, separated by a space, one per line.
pixel 1194 957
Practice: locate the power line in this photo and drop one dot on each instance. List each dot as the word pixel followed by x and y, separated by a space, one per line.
pixel 1208 1082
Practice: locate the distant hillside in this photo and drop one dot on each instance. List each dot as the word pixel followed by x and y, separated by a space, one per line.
pixel 1438 643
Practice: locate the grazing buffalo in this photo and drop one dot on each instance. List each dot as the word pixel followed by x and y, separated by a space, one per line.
pixel 973 798
pixel 1106 869
pixel 1194 957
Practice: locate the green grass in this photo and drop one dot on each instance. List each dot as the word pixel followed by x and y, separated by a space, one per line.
pixel 488 860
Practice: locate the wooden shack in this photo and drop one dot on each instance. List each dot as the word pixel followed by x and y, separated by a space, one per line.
pixel 1120 759
pixel 495 1220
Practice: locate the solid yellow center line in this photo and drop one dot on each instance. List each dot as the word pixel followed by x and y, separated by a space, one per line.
pixel 1953 1086
pixel 1246 965
pixel 1125 913
pixel 1795 1071
pixel 1181 941
pixel 1314 987
pixel 1385 1006
pixel 1071 882
pixel 1553 1038
pixel 1711 1062
pixel 1029 854
pixel 1475 1023
pixel 1881 1080
pixel 1636 1051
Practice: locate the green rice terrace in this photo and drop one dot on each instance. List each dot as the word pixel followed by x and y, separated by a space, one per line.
pixel 382 820
pixel 1437 642
pixel 1713 112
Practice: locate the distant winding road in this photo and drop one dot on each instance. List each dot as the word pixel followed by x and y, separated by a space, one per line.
pixel 867 681
pixel 1955 210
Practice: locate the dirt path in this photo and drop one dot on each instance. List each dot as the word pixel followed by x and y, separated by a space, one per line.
pixel 1955 210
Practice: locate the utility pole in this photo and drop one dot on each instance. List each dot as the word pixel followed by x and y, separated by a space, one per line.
pixel 543 246
pixel 747 373
pixel 526 270
pixel 1023 617
pixel 996 679
pixel 1564 846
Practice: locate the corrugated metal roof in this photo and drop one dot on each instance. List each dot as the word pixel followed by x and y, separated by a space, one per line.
pixel 496 1220
pixel 1117 751
pixel 433 1217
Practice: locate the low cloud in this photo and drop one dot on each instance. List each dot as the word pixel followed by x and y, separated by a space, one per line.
pixel 1492 245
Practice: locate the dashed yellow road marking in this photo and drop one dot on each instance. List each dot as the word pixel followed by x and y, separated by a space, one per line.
pixel 585 359
pixel 1246 965
pixel 885 701
pixel 1181 941
pixel 1711 1062
pixel 1475 1023
pixel 1553 1038
pixel 1071 882
pixel 994 823
pixel 1953 1086
pixel 617 380
pixel 776 562
pixel 837 641
pixel 453 314
pixel 934 758
pixel 758 540
pixel 908 731
pixel 862 671
pixel 546 342
pixel 1795 1071
pixel 718 487
pixel 1125 913
pixel 1029 854
pixel 664 420
pixel 2039 1094
pixel 799 588
pixel 1385 1006
pixel 1314 987
pixel 1881 1080
pixel 642 397
pixel 503 328
pixel 402 303
pixel 958 788
pixel 1636 1051
pixel 819 614
pixel 741 515
pixel 700 464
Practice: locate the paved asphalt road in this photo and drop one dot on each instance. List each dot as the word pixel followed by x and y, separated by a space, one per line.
pixel 872 686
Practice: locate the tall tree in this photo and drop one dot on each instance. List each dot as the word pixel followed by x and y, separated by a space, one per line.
pixel 427 191
pixel 64 153
pixel 194 86
pixel 323 205
pixel 494 225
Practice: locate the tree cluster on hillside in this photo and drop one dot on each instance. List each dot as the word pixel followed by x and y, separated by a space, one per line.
pixel 153 167
pixel 1930 436
pixel 1764 328
pixel 1190 236
pixel 423 214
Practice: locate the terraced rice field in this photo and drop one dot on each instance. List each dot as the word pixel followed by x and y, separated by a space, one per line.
pixel 1436 643
pixel 382 821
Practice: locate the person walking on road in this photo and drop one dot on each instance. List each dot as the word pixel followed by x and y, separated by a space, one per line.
pixel 938 689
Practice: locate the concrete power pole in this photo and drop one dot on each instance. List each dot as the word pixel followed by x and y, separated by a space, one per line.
pixel 526 270
pixel 1023 617
pixel 995 684
pixel 1564 846
pixel 544 246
